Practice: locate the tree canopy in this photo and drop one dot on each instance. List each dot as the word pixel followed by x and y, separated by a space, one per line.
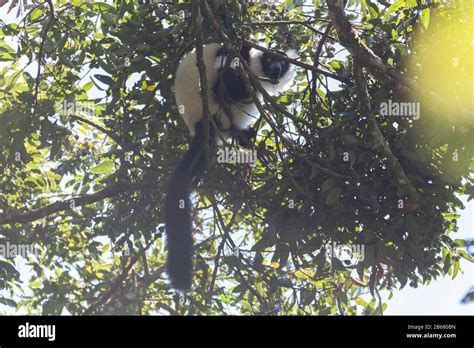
pixel 89 134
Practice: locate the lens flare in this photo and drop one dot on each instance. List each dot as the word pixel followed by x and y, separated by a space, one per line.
pixel 442 64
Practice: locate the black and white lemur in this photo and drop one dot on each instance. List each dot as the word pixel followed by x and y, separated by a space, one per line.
pixel 242 113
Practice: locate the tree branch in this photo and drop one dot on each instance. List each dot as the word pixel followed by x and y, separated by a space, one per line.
pixel 349 38
pixel 366 109
pixel 98 127
pixel 361 53
pixel 36 214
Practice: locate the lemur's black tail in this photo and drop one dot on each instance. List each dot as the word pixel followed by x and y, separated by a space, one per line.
pixel 178 216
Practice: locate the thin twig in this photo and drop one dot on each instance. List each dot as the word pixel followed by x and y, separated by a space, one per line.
pixel 304 23
pixel 117 282
pixel 40 53
pixel 219 253
pixel 98 127
pixel 293 61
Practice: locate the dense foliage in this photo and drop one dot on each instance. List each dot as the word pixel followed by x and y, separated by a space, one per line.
pixel 89 133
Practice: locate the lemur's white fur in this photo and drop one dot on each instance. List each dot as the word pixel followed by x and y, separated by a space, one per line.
pixel 188 98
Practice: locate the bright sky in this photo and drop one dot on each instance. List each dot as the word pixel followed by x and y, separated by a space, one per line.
pixel 441 297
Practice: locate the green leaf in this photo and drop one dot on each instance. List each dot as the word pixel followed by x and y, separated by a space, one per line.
pixel 246 306
pixel 395 6
pixel 7 302
pixel 456 268
pixel 361 301
pixel 104 79
pixel 425 17
pixel 88 86
pixel 103 7
pixel 459 242
pixel 465 255
pixel 333 196
pixel 37 12
pixel 4 56
pixel 262 244
pixel 328 184
pixel 447 263
pixel 35 284
pixel 6 48
pixel 259 289
pixel 103 167
pixel 373 10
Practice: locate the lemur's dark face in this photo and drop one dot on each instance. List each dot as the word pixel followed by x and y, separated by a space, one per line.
pixel 274 68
